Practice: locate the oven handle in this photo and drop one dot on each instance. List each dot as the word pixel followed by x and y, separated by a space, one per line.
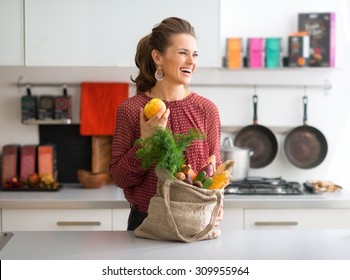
pixel 277 223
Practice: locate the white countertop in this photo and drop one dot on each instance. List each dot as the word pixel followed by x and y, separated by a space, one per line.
pixel 74 196
pixel 232 244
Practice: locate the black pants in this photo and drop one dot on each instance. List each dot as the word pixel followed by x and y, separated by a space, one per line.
pixel 135 219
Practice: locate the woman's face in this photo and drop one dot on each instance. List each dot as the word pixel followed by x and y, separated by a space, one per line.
pixel 180 59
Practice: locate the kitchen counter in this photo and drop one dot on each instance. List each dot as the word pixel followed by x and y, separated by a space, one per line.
pixel 74 196
pixel 232 244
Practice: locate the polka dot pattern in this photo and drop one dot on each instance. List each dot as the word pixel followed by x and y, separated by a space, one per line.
pixel 194 111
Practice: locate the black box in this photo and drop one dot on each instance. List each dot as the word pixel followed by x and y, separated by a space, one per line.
pixel 298 50
pixel 321 29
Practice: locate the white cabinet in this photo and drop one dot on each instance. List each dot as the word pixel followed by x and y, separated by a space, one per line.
pixel 232 219
pixel 11 32
pixel 120 218
pixel 56 219
pixel 297 219
pixel 95 33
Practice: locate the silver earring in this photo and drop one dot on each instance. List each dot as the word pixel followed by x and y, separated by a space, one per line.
pixel 159 75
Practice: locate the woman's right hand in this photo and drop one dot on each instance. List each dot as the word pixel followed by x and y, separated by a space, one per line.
pixel 148 126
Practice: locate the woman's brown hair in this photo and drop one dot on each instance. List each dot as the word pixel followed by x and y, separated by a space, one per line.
pixel 158 39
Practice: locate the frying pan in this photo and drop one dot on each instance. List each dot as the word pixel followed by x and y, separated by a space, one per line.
pixel 259 139
pixel 305 146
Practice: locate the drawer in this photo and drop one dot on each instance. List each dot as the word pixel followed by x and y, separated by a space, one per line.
pixel 56 219
pixel 297 219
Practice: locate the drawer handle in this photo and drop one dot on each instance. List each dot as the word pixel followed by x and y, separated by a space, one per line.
pixel 292 223
pixel 78 223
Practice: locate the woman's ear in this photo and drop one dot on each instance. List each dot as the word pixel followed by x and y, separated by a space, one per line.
pixel 156 57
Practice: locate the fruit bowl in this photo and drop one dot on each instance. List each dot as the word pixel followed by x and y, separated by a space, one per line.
pixel 92 180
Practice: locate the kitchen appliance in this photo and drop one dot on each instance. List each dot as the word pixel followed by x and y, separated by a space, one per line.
pixel 259 139
pixel 305 146
pixel 264 186
pixel 240 156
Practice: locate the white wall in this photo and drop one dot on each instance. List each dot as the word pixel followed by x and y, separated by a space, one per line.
pixel 277 106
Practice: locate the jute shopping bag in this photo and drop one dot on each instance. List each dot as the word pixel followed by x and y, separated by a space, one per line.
pixel 181 212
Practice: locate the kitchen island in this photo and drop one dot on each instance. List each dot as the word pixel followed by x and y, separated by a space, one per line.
pixel 231 245
pixel 76 208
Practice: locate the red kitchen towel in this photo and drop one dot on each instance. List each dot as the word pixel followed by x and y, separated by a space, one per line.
pixel 99 102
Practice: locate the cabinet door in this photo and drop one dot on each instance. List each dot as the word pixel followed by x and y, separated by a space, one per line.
pixel 105 33
pixel 120 219
pixel 11 32
pixel 232 219
pixel 56 219
pixel 297 219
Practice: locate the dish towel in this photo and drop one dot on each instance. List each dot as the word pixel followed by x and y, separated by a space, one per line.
pixel 99 102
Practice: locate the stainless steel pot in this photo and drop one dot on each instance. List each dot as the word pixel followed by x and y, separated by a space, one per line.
pixel 240 156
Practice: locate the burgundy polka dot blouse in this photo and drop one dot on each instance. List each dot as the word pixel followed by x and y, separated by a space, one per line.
pixel 140 185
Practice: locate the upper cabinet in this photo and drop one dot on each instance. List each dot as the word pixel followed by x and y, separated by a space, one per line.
pixel 11 32
pixel 92 33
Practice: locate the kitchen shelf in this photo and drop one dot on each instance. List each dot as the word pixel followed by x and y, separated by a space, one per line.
pixel 47 121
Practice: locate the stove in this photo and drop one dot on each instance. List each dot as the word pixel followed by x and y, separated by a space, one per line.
pixel 264 186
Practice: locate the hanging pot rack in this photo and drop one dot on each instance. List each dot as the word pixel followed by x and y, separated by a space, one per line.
pixel 326 86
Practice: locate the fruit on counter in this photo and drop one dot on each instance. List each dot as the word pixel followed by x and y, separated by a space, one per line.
pixel 45 181
pixel 33 179
pixel 12 183
pixel 152 107
pixel 323 186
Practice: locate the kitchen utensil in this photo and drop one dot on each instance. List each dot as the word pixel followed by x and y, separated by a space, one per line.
pixel 259 139
pixel 92 180
pixel 240 156
pixel 305 146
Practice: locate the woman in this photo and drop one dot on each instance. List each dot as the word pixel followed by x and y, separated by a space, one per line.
pixel 166 59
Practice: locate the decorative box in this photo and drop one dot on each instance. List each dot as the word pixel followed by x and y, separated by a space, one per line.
pixel 47 160
pixel 298 49
pixel 10 164
pixel 273 53
pixel 256 52
pixel 28 161
pixel 234 53
pixel 321 29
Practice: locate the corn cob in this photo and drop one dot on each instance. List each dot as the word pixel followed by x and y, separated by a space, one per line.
pixel 220 180
pixel 225 166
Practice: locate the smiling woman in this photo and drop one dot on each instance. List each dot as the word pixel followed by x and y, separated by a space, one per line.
pixel 166 59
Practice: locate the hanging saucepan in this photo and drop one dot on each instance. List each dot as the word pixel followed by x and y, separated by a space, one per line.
pixel 259 139
pixel 305 146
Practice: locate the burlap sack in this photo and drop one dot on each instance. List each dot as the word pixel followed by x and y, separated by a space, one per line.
pixel 181 212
